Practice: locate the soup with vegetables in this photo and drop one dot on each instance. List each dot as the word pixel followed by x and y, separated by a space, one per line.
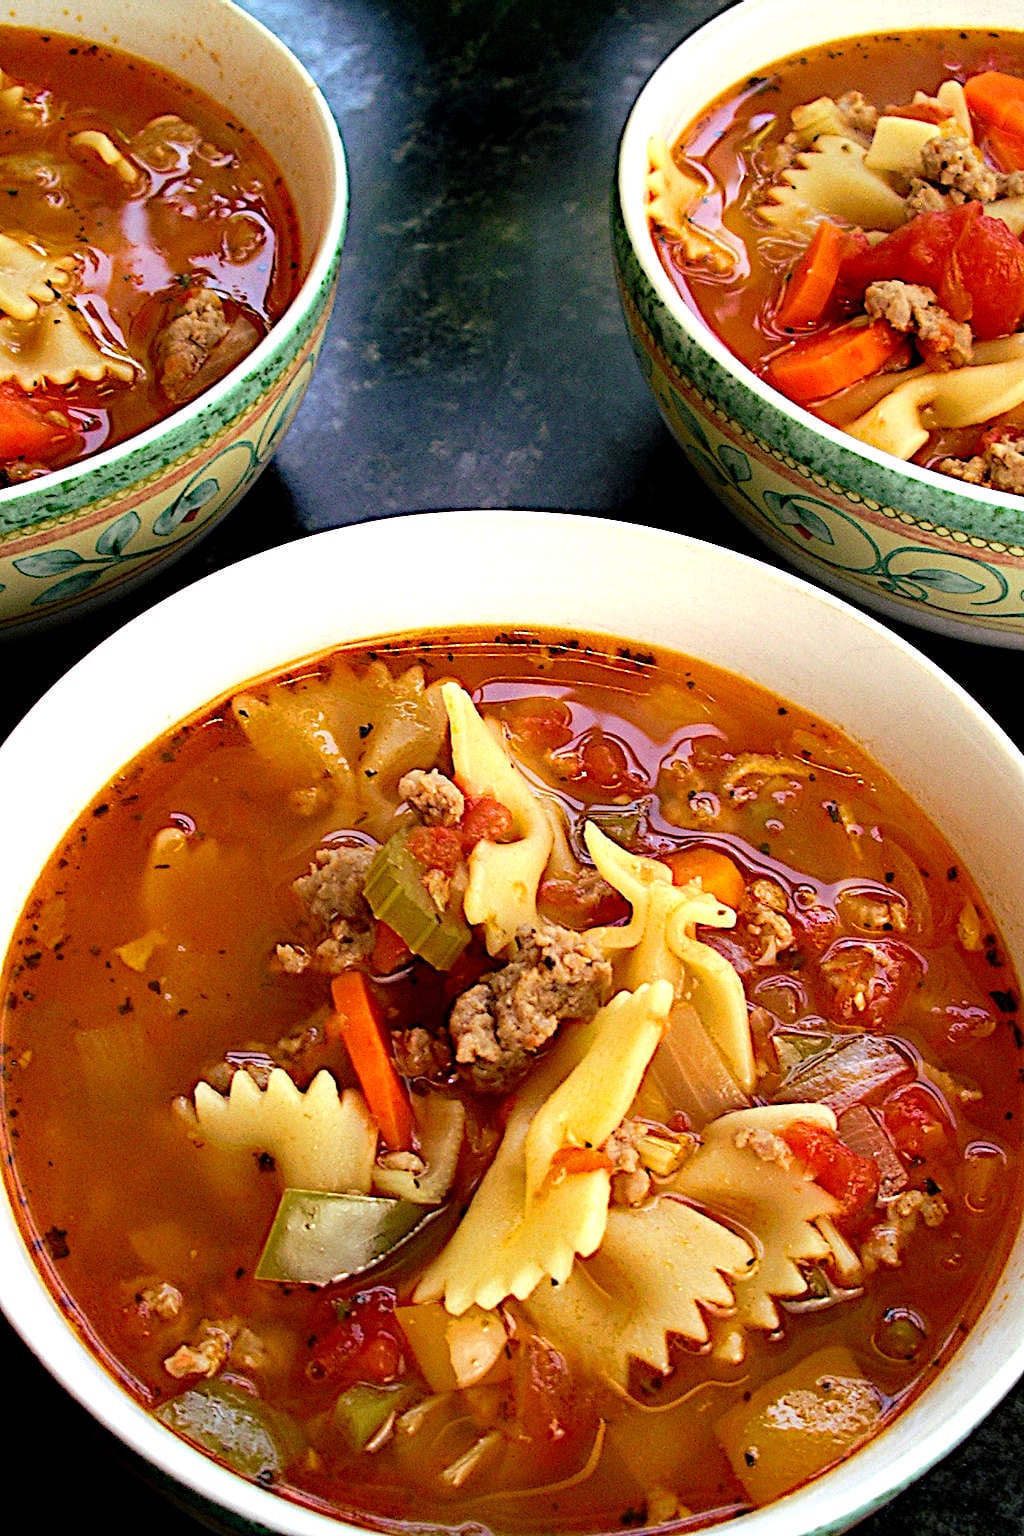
pixel 515 1080
pixel 147 244
pixel 849 222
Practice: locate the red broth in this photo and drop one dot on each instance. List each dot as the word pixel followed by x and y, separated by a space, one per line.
pixel 167 944
pixel 742 144
pixel 142 221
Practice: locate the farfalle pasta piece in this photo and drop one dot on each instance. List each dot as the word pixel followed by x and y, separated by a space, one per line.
pixel 94 145
pixel 743 1170
pixel 409 727
pixel 518 1231
pixel 586 1107
pixel 499 1248
pixel 503 877
pixel 659 941
pixel 657 1270
pixel 672 194
pixel 811 119
pixel 319 1139
pixel 291 730
pixel 830 180
pixel 351 738
pixel 16 101
pixel 900 423
pixel 55 348
pixel 163 141
pixel 30 276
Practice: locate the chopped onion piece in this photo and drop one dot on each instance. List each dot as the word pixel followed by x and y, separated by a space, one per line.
pixel 691 1072
pixel 863 1068
pixel 863 1132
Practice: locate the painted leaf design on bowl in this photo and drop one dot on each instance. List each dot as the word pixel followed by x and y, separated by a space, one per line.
pixel 698 446
pixel 798 512
pixel 118 535
pixel 938 580
pixel 736 464
pixel 76 572
pixel 186 507
pixel 82 578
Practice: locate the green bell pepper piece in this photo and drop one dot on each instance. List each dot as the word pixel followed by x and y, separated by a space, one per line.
pixel 319 1237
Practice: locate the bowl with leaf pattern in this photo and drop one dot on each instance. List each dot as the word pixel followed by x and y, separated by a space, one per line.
pixel 74 533
pixel 914 544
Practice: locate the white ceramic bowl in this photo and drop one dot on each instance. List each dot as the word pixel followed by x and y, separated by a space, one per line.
pixel 641 585
pixel 84 533
pixel 913 544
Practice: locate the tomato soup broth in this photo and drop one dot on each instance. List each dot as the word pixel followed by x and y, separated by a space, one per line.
pixel 148 244
pixel 760 164
pixel 277 1037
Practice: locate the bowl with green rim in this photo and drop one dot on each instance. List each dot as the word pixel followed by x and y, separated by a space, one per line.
pixel 914 545
pixel 76 536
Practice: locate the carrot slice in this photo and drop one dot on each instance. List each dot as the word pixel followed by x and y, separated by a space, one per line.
pixel 833 360
pixel 33 430
pixel 580 1160
pixel 996 101
pixel 361 1027
pixel 718 874
pixel 812 282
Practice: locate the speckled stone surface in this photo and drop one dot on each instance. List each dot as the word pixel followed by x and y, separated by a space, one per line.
pixel 477 357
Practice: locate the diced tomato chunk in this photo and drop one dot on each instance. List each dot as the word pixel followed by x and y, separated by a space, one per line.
pixel 815 927
pixel 605 765
pixel 846 1175
pixel 549 1414
pixel 436 847
pixel 485 819
pixel 972 261
pixel 364 1344
pixel 917 1122
pixel 867 981
pixel 579 904
pixel 539 724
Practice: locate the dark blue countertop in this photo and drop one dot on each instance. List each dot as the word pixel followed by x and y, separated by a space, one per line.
pixel 476 358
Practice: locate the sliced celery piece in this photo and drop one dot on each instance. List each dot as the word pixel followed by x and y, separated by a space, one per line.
pixel 397 896
pixel 318 1237
pixel 247 1435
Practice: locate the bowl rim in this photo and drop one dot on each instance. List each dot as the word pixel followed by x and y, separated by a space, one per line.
pixel 191 418
pixel 735 19
pixel 162 647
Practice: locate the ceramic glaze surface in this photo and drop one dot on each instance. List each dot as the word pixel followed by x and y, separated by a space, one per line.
pixel 910 543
